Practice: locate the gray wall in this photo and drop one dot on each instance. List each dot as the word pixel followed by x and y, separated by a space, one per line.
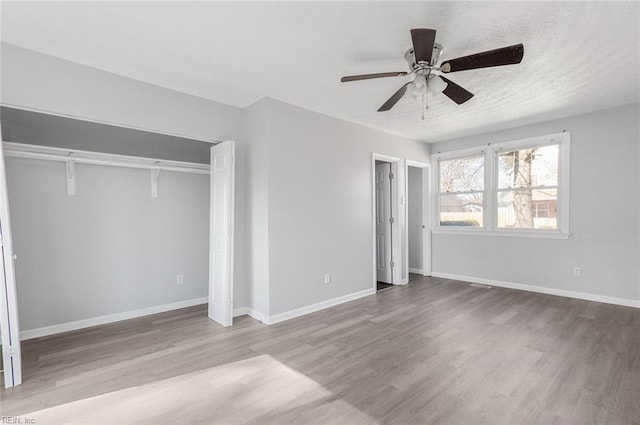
pixel 414 210
pixel 320 203
pixel 35 128
pixel 255 127
pixel 44 83
pixel 109 249
pixel 605 206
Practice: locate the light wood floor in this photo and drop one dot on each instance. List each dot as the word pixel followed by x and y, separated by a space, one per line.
pixel 433 352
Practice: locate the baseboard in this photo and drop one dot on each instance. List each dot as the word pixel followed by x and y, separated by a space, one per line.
pixel 627 302
pixel 102 320
pixel 281 317
pixel 248 311
pixel 258 316
pixel 240 311
pixel 416 271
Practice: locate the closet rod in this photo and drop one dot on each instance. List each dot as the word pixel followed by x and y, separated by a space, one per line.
pixel 21 150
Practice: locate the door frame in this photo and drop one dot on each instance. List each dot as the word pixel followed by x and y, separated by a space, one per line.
pixel 426 215
pixel 10 328
pixel 398 228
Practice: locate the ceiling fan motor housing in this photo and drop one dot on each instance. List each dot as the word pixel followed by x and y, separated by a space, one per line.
pixel 410 57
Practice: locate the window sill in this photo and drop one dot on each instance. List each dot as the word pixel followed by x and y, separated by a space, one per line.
pixel 502 233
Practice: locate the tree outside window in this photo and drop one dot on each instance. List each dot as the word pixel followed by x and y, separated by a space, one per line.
pixel 513 188
pixel 527 180
pixel 461 191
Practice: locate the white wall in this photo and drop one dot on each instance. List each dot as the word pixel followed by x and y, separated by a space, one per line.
pixel 415 217
pixel 320 203
pixel 109 249
pixel 44 83
pixel 604 204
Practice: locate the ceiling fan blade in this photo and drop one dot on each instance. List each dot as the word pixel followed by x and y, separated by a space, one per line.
pixel 371 76
pixel 394 99
pixel 423 40
pixel 455 92
pixel 504 56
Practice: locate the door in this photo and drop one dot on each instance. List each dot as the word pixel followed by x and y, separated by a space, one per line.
pixel 384 220
pixel 221 233
pixel 11 358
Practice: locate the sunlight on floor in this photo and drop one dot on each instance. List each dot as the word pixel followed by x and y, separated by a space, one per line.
pixel 259 389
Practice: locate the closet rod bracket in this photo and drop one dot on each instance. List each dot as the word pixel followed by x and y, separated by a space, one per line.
pixel 71 175
pixel 155 172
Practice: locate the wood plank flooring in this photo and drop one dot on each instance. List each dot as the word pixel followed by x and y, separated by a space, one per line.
pixel 435 351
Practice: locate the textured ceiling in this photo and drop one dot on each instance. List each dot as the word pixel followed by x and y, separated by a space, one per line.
pixel 579 56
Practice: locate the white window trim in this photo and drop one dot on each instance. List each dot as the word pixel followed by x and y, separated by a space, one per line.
pixel 490 152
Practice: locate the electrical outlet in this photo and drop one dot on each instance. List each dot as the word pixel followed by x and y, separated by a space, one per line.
pixel 179 279
pixel 327 278
pixel 577 272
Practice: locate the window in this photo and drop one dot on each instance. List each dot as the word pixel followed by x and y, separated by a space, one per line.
pixel 518 188
pixel 527 184
pixel 462 191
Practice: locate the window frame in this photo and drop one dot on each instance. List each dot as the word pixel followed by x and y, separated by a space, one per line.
pixel 491 188
pixel 463 155
pixel 458 154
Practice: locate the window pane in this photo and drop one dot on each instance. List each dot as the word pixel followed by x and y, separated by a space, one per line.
pixel 528 167
pixel 462 174
pixel 461 210
pixel 528 209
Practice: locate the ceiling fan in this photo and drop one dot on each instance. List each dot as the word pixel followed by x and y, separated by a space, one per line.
pixel 423 61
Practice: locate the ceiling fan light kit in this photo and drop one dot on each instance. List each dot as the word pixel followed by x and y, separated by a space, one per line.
pixel 423 61
pixel 436 84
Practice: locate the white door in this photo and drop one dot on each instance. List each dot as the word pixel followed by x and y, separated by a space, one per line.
pixel 221 233
pixel 383 223
pixel 11 359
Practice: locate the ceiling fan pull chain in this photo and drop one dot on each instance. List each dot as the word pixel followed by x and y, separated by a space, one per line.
pixel 425 102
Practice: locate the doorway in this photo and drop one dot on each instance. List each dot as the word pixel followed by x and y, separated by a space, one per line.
pixel 384 225
pixel 220 256
pixel 389 216
pixel 418 228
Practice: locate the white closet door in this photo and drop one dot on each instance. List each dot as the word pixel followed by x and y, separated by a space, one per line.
pixel 11 358
pixel 221 233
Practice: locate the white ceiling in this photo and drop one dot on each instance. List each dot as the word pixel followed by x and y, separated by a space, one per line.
pixel 579 56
